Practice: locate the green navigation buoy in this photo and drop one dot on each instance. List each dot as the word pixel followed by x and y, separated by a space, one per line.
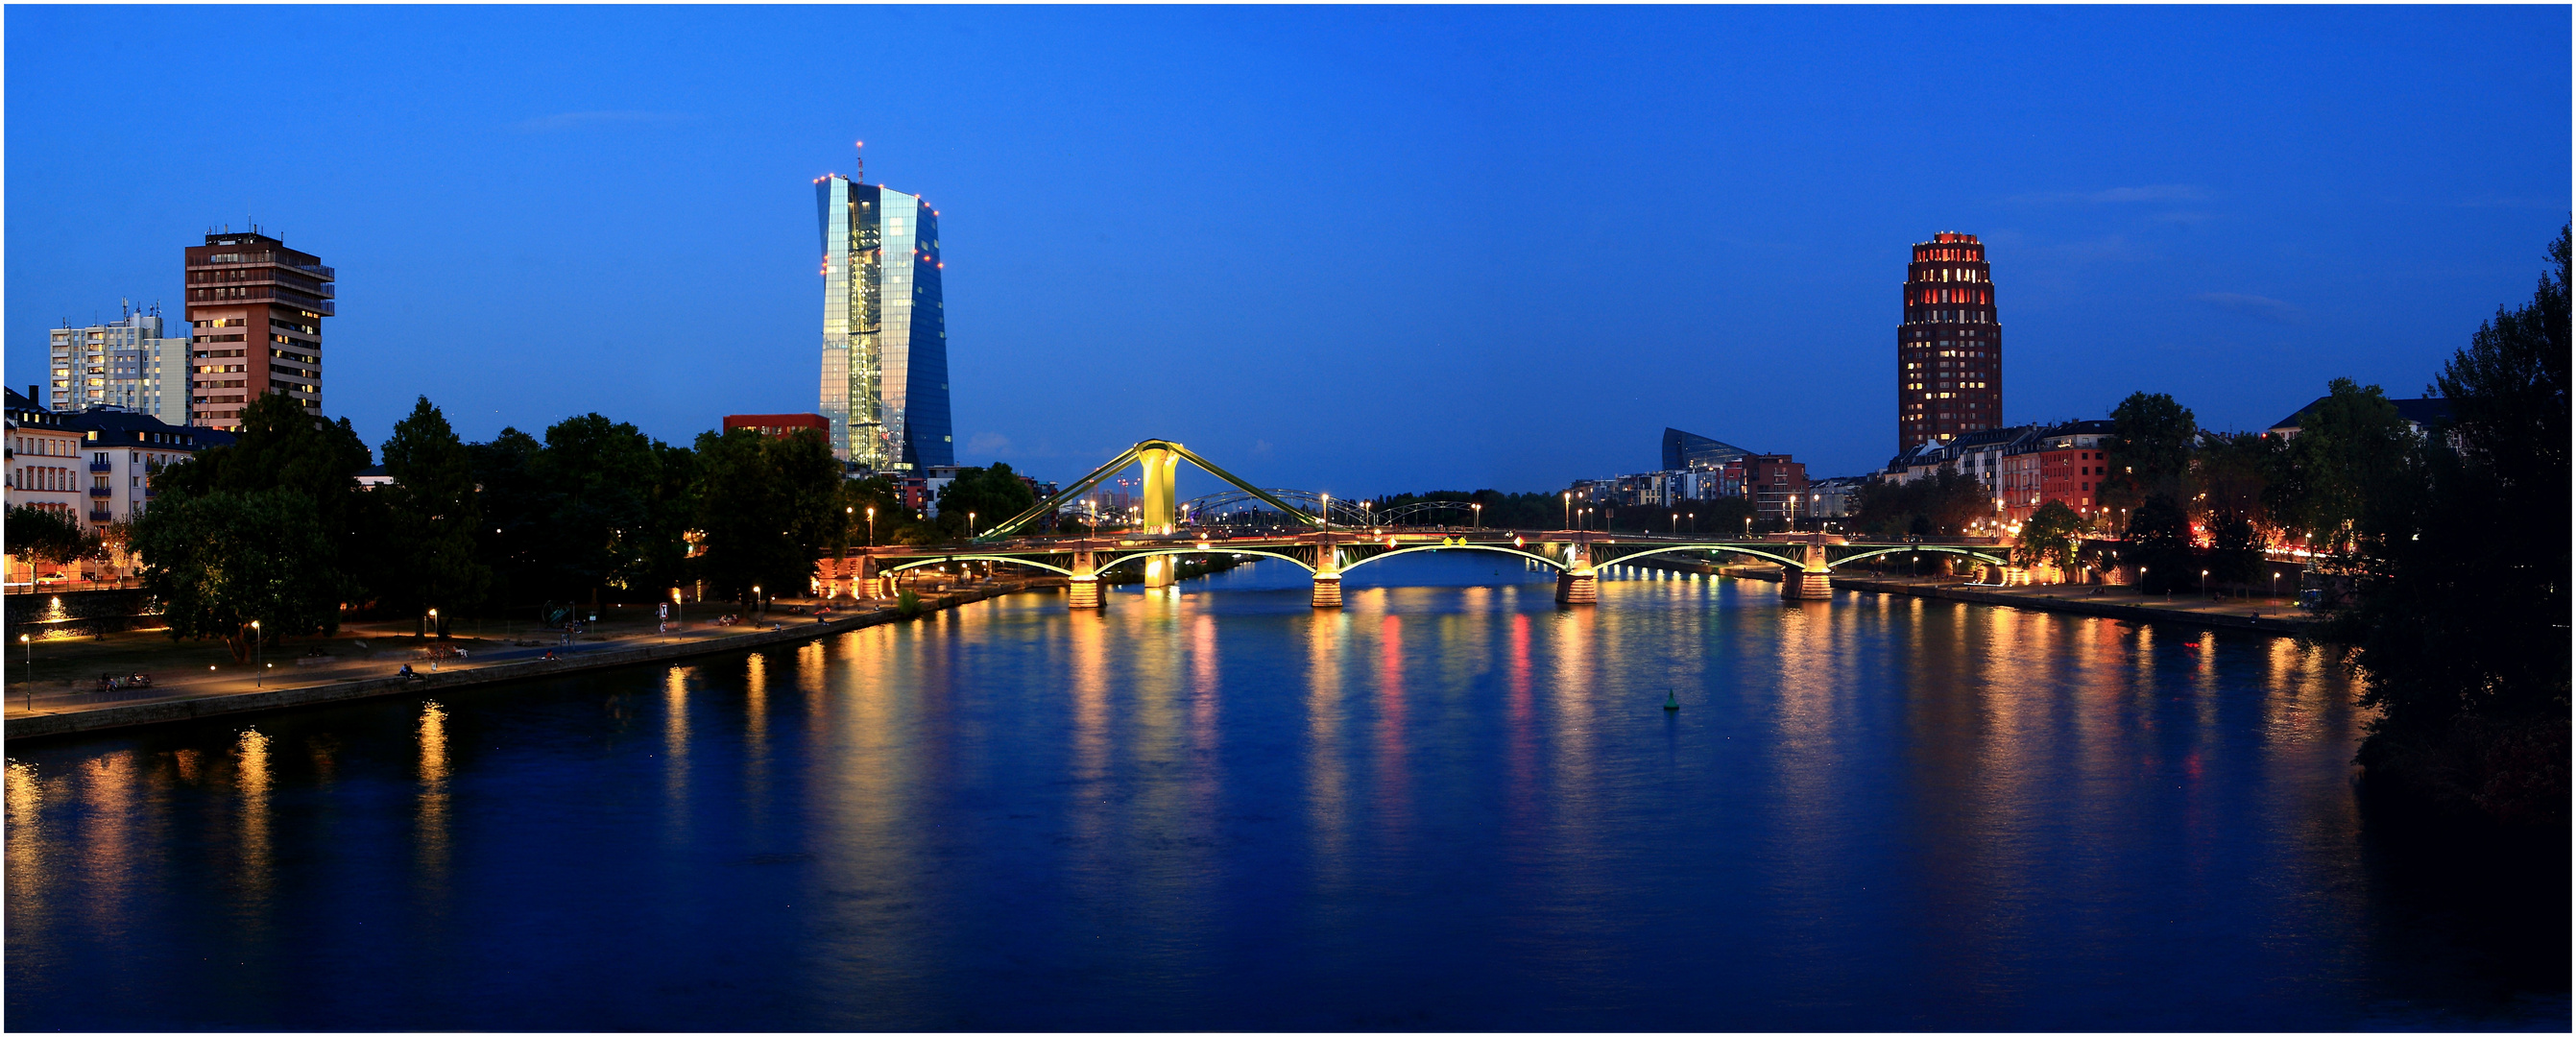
pixel 1669 701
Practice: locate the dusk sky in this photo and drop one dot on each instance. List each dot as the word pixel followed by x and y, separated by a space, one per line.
pixel 1352 250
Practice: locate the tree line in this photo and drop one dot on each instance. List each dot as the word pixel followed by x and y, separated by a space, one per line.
pixel 276 529
pixel 2453 540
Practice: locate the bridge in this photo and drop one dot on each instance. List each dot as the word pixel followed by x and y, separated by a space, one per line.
pixel 1329 538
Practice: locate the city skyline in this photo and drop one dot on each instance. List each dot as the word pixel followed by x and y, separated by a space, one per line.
pixel 1135 272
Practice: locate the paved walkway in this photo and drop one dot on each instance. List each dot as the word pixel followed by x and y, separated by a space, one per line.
pixel 2273 615
pixel 67 671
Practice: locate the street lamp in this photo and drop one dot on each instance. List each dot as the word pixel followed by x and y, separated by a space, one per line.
pixel 2276 594
pixel 258 671
pixel 2204 583
pixel 1480 515
pixel 1327 509
pixel 1569 509
pixel 31 671
pixel 970 525
pixel 433 621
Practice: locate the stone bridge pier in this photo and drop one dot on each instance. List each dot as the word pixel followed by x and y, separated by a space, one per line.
pixel 1813 581
pixel 1328 578
pixel 1084 586
pixel 1580 585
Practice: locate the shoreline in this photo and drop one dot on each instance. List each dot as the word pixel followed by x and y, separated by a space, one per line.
pixel 199 707
pixel 2035 600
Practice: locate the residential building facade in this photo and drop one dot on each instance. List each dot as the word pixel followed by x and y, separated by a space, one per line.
pixel 885 329
pixel 2065 464
pixel 1778 486
pixel 122 364
pixel 255 310
pixel 1949 350
pixel 46 468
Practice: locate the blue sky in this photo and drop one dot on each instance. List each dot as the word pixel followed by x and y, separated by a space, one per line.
pixel 1354 250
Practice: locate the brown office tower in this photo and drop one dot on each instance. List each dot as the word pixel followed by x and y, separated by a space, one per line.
pixel 1949 352
pixel 255 310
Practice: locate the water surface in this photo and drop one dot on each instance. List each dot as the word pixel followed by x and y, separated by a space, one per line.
pixel 1451 805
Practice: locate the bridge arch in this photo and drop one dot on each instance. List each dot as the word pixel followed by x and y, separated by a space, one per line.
pixel 1495 548
pixel 945 559
pixel 1124 557
pixel 1933 548
pixel 1731 548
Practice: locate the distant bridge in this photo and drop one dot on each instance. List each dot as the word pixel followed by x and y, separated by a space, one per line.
pixel 1328 538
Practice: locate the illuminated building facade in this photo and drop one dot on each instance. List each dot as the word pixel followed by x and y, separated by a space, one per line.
pixel 255 310
pixel 122 365
pixel 1949 351
pixel 885 329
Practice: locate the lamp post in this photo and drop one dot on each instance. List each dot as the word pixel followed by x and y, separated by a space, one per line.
pixel 1327 511
pixel 970 525
pixel 755 599
pixel 258 669
pixel 1480 515
pixel 2204 583
pixel 1569 509
pixel 872 527
pixel 2276 590
pixel 30 645
pixel 433 622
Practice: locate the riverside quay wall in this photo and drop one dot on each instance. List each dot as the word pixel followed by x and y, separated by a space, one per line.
pixel 200 707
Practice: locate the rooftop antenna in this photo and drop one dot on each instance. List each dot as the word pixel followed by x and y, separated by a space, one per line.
pixel 859 171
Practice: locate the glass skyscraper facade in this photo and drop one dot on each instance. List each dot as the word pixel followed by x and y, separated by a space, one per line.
pixel 885 329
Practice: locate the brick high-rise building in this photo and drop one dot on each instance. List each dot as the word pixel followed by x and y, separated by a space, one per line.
pixel 255 310
pixel 1949 351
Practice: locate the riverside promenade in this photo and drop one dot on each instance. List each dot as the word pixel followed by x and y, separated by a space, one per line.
pixel 2265 615
pixel 68 707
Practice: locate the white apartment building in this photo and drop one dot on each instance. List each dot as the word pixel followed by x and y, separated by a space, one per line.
pixel 126 364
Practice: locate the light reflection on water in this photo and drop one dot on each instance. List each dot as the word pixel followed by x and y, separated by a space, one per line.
pixel 1450 805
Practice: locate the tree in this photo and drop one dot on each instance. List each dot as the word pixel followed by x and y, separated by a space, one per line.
pixel 767 508
pixel 1941 504
pixel 514 506
pixel 2231 475
pixel 603 514
pixel 992 495
pixel 2352 449
pixel 2159 539
pixel 2150 449
pixel 431 552
pixel 2460 603
pixel 2048 537
pixel 48 536
pixel 282 448
pixel 221 560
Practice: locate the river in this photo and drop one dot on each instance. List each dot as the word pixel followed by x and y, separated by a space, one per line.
pixel 1451 805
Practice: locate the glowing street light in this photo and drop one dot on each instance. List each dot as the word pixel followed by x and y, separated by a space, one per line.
pixel 255 646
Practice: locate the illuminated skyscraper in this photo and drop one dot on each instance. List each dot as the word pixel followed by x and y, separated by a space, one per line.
pixel 885 330
pixel 1949 351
